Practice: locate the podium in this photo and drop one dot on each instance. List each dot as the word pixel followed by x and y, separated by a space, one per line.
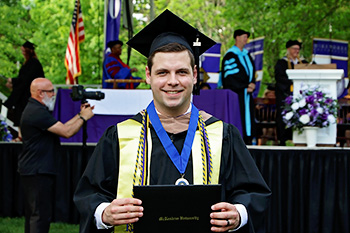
pixel 327 80
pixel 116 81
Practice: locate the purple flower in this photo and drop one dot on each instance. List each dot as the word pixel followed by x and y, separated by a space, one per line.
pixel 310 99
pixel 289 100
pixel 302 111
pixel 8 137
pixel 324 117
pixel 314 112
pixel 319 95
pixel 5 135
pixel 328 101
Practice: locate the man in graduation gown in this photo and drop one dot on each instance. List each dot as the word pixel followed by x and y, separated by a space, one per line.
pixel 151 143
pixel 238 74
pixel 283 86
pixel 20 86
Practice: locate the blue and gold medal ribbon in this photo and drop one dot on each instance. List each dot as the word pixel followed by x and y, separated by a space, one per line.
pixel 180 161
pixel 141 159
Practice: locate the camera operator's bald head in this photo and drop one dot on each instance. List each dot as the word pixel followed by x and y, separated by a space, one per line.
pixel 38 86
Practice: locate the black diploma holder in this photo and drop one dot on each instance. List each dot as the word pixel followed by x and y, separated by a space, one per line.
pixel 176 208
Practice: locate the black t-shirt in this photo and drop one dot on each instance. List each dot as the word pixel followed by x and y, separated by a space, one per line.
pixel 39 145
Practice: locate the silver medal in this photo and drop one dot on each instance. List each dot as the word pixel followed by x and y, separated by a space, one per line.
pixel 181 181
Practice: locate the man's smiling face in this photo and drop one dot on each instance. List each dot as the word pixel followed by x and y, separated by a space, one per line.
pixel 172 79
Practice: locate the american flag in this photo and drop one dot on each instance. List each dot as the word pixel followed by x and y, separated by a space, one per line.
pixel 76 35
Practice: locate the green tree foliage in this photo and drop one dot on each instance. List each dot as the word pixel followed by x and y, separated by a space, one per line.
pixel 47 24
pixel 276 20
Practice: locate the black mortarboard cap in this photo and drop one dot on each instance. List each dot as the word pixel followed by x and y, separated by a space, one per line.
pixel 28 45
pixel 169 28
pixel 240 32
pixel 110 44
pixel 173 29
pixel 290 43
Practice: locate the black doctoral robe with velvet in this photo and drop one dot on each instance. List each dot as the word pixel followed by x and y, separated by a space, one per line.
pixel 282 91
pixel 240 178
pixel 238 82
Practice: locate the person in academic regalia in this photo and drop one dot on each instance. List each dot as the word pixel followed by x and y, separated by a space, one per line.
pixel 283 86
pixel 169 124
pixel 115 68
pixel 20 86
pixel 238 74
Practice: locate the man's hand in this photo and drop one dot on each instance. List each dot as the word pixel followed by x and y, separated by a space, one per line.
pixel 86 111
pixel 122 211
pixel 227 217
pixel 251 87
pixel 132 70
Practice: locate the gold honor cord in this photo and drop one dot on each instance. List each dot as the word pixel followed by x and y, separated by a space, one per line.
pixel 141 159
pixel 145 153
pixel 205 149
pixel 140 151
pixel 203 153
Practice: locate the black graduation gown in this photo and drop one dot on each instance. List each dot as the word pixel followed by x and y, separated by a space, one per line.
pixel 282 91
pixel 241 180
pixel 238 82
pixel 20 94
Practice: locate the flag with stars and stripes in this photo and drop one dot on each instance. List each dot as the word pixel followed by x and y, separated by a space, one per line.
pixel 76 36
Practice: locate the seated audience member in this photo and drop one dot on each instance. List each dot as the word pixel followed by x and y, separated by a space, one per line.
pixel 204 86
pixel 269 93
pixel 115 68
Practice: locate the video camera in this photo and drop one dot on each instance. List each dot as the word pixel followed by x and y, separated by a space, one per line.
pixel 78 93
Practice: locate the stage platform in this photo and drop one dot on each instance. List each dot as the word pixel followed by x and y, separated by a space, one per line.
pixel 310 187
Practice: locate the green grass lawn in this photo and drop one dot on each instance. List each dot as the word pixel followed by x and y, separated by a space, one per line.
pixel 16 225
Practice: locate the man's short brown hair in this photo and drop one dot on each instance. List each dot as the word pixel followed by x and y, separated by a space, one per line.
pixel 168 48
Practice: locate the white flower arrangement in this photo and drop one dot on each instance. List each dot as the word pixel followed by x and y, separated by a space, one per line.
pixel 312 107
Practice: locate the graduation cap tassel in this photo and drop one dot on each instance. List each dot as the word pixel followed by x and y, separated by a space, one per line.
pixel 196 45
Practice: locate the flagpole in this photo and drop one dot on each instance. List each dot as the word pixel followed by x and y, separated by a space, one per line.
pixel 130 26
pixel 98 42
pixel 105 26
pixel 152 13
pixel 330 42
pixel 252 29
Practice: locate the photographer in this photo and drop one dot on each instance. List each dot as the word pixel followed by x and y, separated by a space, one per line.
pixel 36 163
